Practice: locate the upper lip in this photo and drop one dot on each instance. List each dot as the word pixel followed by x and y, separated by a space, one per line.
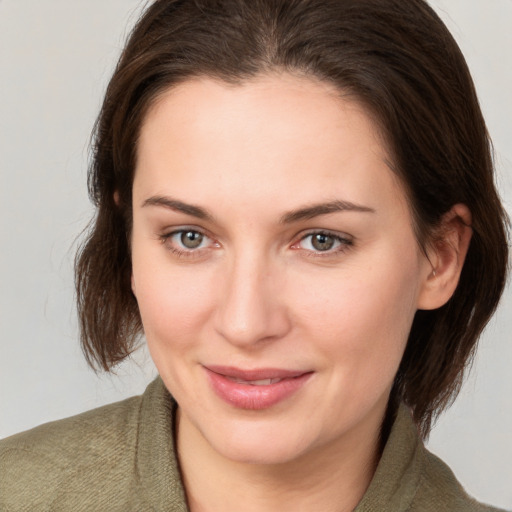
pixel 255 374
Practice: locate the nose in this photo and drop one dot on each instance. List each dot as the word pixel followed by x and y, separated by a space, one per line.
pixel 251 303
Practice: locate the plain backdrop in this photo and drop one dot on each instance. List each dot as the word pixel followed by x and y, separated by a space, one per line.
pixel 55 59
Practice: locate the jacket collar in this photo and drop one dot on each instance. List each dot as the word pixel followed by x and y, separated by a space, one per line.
pixel 398 473
pixel 156 461
pixel 392 488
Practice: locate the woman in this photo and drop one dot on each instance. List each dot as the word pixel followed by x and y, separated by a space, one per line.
pixel 296 205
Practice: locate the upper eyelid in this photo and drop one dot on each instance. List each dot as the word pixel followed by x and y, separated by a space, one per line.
pixel 299 236
pixel 329 232
pixel 166 240
pixel 169 231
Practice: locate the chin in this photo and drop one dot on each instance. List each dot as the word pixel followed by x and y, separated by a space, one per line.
pixel 251 443
pixel 260 453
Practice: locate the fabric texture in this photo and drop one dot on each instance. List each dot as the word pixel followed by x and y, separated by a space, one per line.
pixel 121 457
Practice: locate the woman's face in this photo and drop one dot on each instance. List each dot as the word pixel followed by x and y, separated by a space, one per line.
pixel 274 264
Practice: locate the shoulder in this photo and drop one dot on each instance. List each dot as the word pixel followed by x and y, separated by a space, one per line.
pixel 441 490
pixel 409 478
pixel 57 457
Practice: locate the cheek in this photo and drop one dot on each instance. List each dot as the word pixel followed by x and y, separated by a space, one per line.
pixel 173 308
pixel 362 316
pixel 174 302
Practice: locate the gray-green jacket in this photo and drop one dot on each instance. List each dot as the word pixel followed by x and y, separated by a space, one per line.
pixel 121 457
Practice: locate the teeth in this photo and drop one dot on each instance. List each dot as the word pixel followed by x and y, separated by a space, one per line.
pixel 262 382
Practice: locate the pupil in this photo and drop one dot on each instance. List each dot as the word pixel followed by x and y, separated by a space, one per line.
pixel 191 239
pixel 322 242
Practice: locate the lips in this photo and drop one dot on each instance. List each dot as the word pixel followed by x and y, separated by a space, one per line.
pixel 261 382
pixel 255 389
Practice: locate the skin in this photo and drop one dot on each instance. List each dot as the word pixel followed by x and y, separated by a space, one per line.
pixel 257 293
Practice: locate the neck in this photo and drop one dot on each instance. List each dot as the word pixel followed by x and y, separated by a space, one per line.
pixel 331 478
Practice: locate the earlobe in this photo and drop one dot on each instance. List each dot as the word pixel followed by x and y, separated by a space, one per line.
pixel 446 256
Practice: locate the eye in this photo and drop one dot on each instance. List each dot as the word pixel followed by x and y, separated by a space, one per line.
pixel 187 242
pixel 323 242
pixel 189 239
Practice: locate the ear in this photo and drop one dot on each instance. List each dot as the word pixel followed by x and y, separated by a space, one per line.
pixel 446 256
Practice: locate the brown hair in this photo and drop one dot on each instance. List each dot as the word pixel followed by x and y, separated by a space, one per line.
pixel 399 60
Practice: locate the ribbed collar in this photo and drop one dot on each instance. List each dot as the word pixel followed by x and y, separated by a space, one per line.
pixel 392 488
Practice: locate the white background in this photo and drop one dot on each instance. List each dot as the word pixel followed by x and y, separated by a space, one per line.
pixel 55 59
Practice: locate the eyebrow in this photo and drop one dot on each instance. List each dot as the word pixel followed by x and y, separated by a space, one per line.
pixel 315 210
pixel 178 206
pixel 305 213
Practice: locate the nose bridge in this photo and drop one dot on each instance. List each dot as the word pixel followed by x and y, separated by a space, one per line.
pixel 250 308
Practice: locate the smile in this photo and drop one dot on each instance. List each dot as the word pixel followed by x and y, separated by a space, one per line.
pixel 255 389
pixel 261 382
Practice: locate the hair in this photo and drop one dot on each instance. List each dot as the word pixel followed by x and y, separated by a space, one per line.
pixel 398 60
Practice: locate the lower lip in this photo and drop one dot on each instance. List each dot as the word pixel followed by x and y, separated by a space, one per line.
pixel 250 397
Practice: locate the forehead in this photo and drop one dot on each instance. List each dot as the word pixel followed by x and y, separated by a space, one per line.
pixel 296 106
pixel 301 136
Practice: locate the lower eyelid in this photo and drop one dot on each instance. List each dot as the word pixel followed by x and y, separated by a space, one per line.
pixel 166 240
pixel 332 253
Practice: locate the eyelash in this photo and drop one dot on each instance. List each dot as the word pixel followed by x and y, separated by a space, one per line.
pixel 183 252
pixel 345 244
